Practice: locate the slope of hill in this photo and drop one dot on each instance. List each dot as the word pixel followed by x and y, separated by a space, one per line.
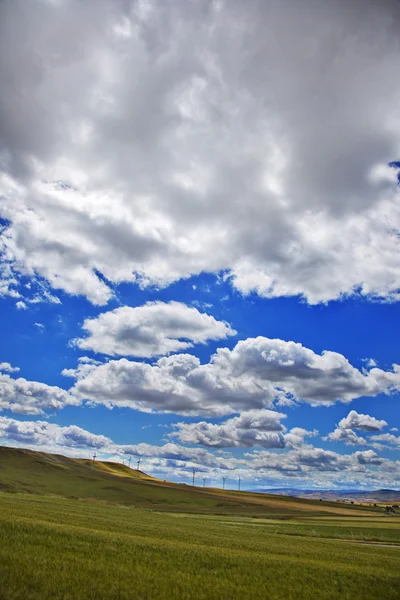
pixel 28 471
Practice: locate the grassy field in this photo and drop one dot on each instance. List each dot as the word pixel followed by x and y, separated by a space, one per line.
pixel 55 548
pixel 27 471
pixel 71 530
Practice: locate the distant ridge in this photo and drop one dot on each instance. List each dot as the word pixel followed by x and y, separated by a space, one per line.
pixel 382 495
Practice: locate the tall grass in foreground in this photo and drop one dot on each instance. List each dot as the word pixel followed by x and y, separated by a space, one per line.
pixel 53 548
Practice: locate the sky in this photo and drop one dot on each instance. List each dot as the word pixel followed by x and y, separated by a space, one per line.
pixel 200 251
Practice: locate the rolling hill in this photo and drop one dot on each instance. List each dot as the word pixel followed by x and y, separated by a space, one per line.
pixel 28 471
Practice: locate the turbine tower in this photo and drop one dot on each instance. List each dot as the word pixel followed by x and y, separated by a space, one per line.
pixel 194 473
pixel 94 458
pixel 223 482
pixel 204 481
pixel 129 461
pixel 239 480
pixel 138 464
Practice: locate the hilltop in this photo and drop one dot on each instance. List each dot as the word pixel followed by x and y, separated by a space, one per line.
pixel 29 471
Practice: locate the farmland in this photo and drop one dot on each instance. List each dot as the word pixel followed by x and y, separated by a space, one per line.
pixel 200 545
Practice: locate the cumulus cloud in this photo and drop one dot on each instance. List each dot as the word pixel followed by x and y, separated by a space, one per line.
pixel 348 436
pixel 151 330
pixel 30 397
pixel 354 420
pixel 42 433
pixel 296 436
pixel 148 142
pixel 7 368
pixel 252 428
pixel 387 438
pixel 306 460
pixel 175 452
pixel 255 374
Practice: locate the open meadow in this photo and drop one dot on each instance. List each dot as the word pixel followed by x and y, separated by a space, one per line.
pixel 74 530
pixel 54 548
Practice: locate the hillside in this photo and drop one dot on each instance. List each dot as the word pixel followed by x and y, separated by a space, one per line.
pixel 28 471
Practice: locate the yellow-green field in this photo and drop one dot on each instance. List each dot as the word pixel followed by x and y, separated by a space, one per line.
pixel 53 548
pixel 71 530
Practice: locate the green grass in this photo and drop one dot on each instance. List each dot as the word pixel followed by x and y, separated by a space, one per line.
pixel 55 548
pixel 71 530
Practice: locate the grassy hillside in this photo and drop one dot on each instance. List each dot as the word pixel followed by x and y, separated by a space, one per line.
pixel 28 471
pixel 59 549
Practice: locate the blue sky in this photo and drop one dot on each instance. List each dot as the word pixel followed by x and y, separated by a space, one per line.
pixel 200 258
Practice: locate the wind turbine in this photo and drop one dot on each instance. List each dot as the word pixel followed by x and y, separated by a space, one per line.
pixel 223 482
pixel 129 461
pixel 239 480
pixel 94 458
pixel 204 481
pixel 138 463
pixel 194 473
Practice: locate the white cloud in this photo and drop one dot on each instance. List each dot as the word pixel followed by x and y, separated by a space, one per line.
pixel 148 145
pixel 6 367
pixel 295 437
pixel 30 397
pixel 309 459
pixel 253 428
pixel 257 372
pixel 42 433
pixel 387 438
pixel 348 436
pixel 151 330
pixel 354 420
pixel 21 305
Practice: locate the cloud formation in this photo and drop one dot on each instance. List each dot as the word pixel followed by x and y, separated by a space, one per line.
pixel 42 433
pixel 7 368
pixel 305 460
pixel 252 428
pixel 151 330
pixel 386 438
pixel 255 374
pixel 31 397
pixel 354 420
pixel 348 436
pixel 147 142
pixel 344 432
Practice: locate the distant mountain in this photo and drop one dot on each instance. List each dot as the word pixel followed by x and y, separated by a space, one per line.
pixel 371 496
